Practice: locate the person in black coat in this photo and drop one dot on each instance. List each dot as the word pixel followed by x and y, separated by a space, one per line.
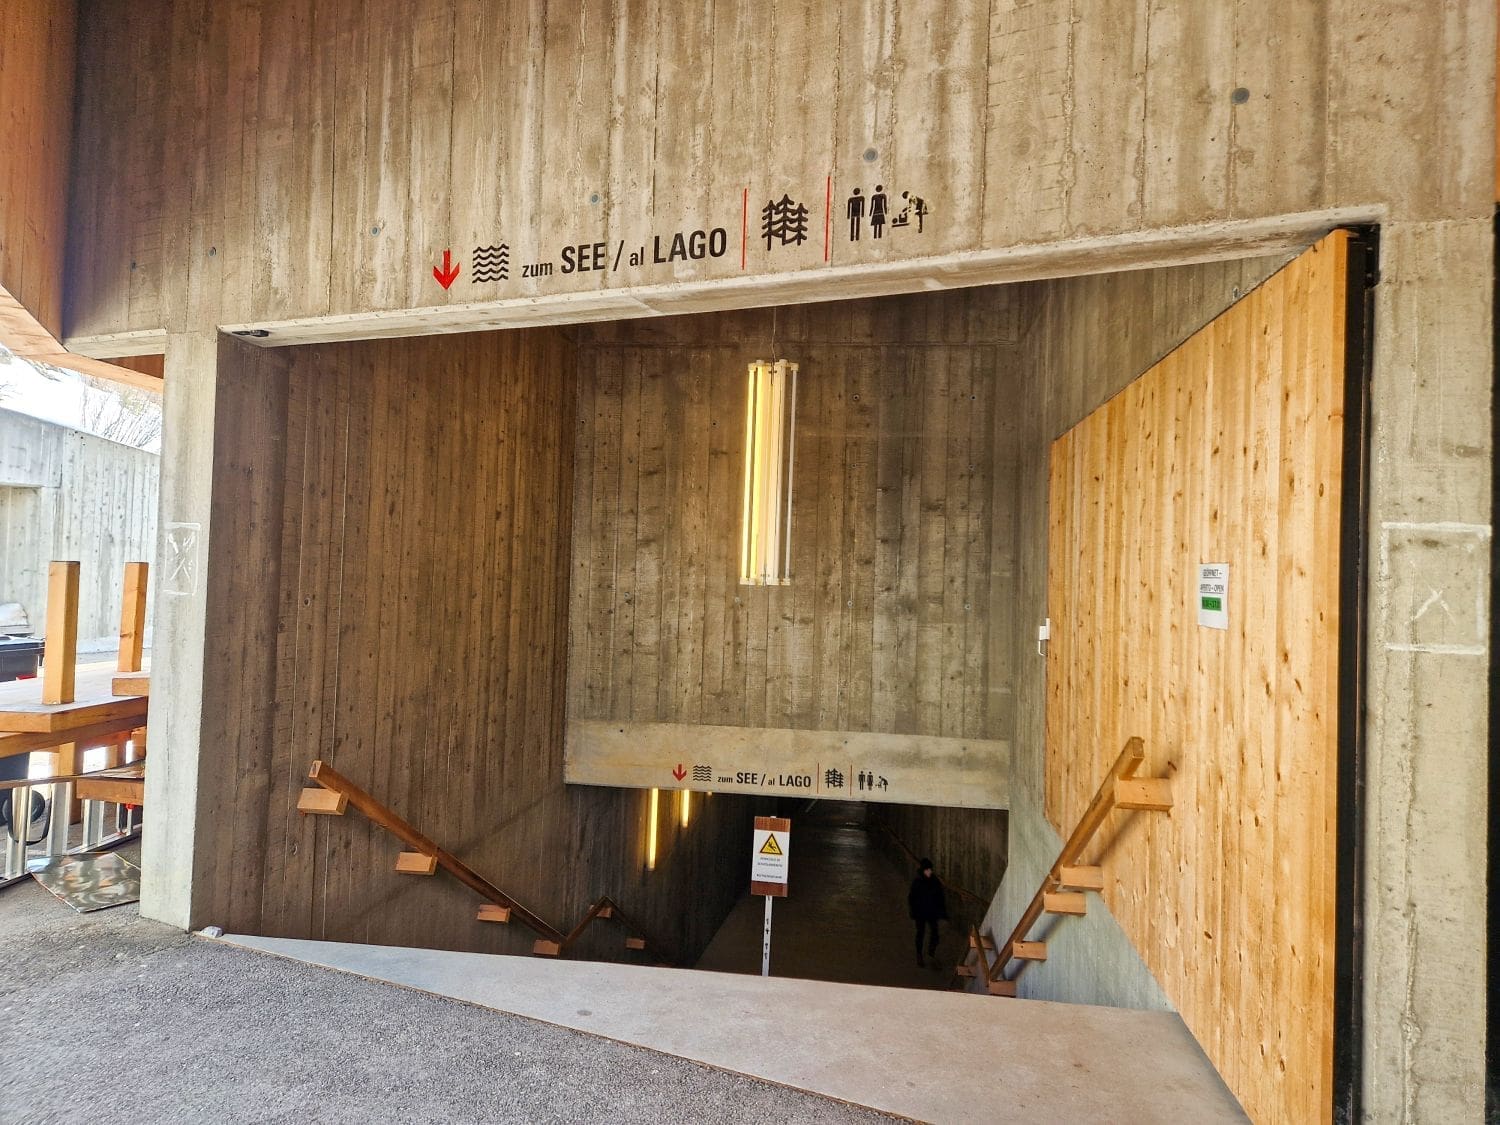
pixel 927 907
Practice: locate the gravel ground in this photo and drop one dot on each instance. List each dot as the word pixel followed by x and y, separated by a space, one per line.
pixel 107 1013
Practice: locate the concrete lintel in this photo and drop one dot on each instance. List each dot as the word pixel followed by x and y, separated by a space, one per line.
pixel 1142 249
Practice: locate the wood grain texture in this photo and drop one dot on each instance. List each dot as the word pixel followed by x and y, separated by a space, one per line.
pixel 36 131
pixel 388 590
pixel 1228 450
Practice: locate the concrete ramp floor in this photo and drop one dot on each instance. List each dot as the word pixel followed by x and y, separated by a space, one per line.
pixel 931 1056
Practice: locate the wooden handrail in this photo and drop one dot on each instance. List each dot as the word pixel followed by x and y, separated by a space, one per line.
pixel 58 778
pixel 1113 793
pixel 330 778
pixel 551 942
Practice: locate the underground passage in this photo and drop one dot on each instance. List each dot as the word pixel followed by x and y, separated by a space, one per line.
pixel 837 562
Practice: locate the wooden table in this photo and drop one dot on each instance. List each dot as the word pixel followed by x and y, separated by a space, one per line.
pixel 96 717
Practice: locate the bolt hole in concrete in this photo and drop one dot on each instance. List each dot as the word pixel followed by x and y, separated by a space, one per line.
pixel 1240 96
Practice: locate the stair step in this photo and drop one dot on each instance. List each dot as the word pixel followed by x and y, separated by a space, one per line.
pixel 492 912
pixel 321 802
pixel 635 943
pixel 967 971
pixel 544 948
pixel 415 863
pixel 1065 902
pixel 1081 878
pixel 987 941
pixel 1002 987
pixel 1029 951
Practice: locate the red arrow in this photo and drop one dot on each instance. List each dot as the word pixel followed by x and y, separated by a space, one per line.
pixel 446 275
pixel 679 773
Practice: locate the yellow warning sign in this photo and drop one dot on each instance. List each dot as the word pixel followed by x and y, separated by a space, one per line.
pixel 770 847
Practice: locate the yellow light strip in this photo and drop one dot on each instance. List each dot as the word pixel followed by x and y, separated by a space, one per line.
pixel 747 525
pixel 687 804
pixel 791 448
pixel 651 820
pixel 770 436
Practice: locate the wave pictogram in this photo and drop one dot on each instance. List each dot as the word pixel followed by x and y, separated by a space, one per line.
pixel 491 263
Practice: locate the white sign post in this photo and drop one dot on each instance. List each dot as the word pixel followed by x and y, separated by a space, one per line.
pixel 770 849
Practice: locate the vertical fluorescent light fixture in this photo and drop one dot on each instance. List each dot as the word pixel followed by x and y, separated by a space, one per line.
pixel 651 820
pixel 687 798
pixel 770 438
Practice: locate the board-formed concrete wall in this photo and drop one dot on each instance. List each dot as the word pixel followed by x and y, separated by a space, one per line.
pixel 305 167
pixel 386 591
pixel 887 651
pixel 66 494
pixel 277 162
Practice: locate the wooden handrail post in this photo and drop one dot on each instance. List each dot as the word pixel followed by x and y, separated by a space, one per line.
pixel 133 617
pixel 329 778
pixel 61 655
pixel 1142 795
pixel 551 943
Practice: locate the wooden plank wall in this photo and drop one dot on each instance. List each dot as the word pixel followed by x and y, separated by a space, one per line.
pixel 1228 450
pixel 900 536
pixel 388 592
pixel 36 133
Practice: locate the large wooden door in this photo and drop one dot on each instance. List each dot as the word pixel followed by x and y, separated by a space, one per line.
pixel 1229 451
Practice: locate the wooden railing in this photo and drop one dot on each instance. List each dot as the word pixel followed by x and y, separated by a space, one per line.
pixel 335 793
pixel 1063 888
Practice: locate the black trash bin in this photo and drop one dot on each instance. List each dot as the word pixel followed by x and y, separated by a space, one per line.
pixel 19 658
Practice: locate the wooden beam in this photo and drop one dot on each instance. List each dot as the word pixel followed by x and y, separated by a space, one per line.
pixel 59 717
pixel 1081 878
pixel 1001 987
pixel 131 684
pixel 23 335
pixel 94 734
pixel 118 790
pixel 1030 951
pixel 1147 794
pixel 544 948
pixel 415 863
pixel 1061 902
pixel 61 658
pixel 635 943
pixel 133 618
pixel 489 912
pixel 321 802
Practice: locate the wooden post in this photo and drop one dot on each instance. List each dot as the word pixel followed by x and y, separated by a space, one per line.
pixel 133 617
pixel 66 766
pixel 62 633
